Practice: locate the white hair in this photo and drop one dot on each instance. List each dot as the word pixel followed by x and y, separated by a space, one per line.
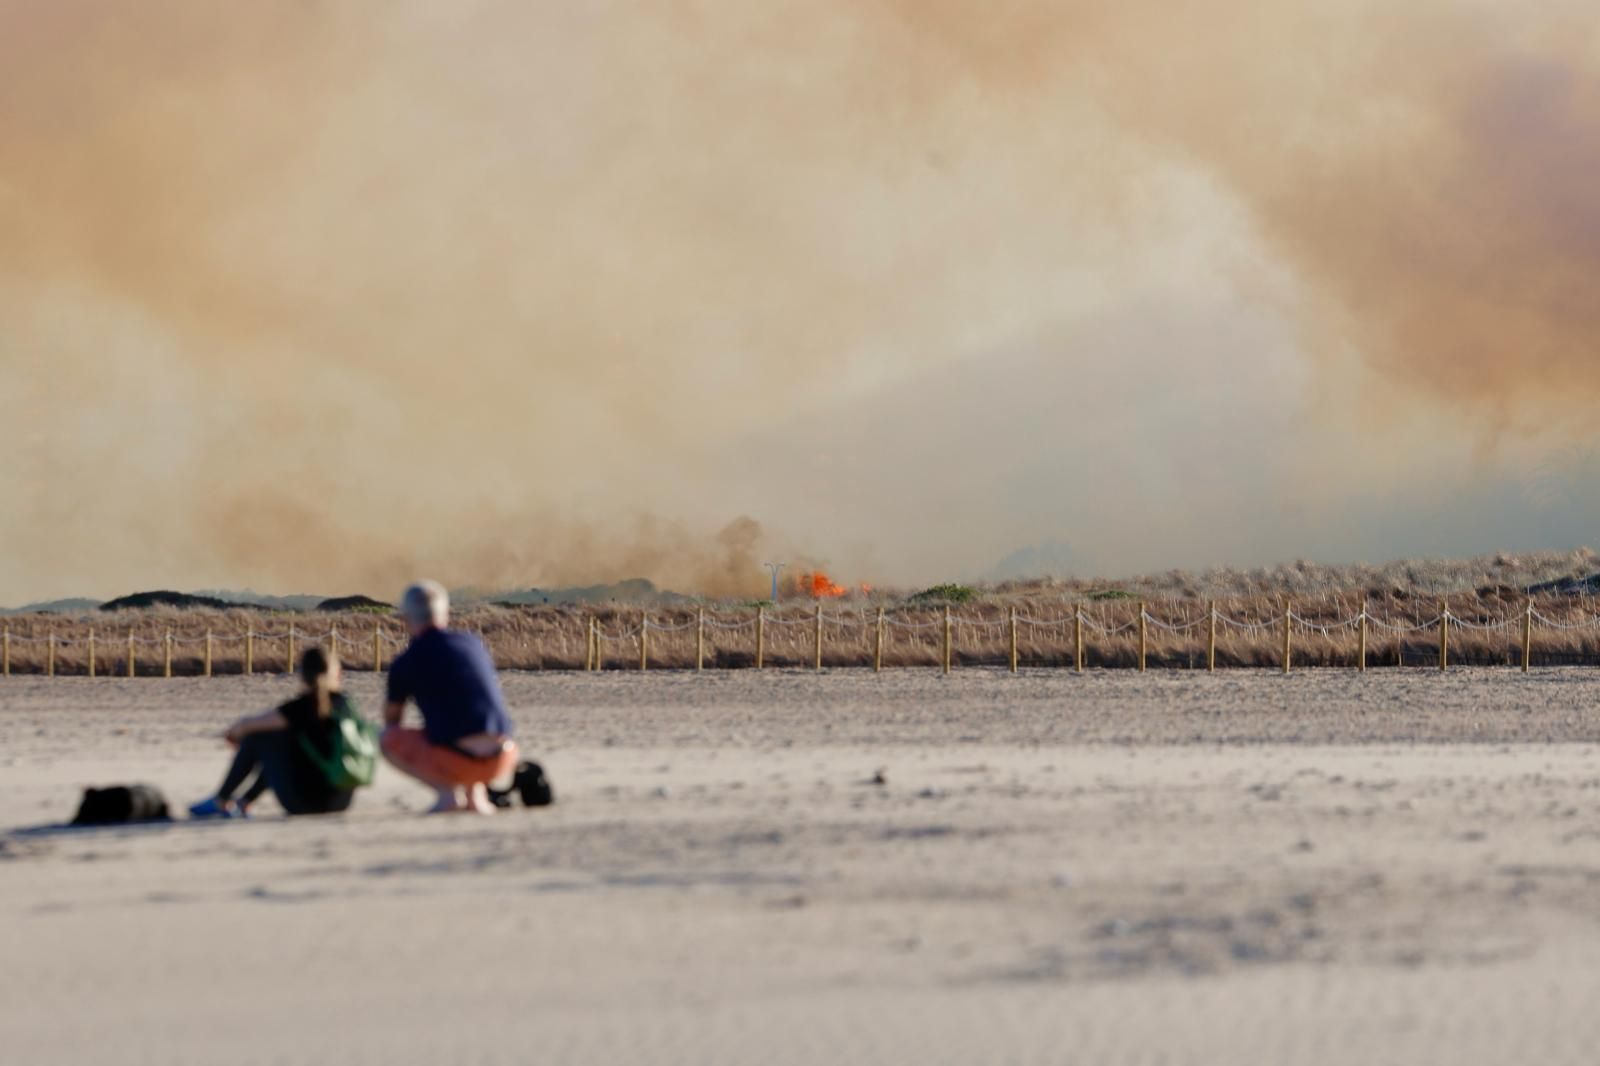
pixel 426 603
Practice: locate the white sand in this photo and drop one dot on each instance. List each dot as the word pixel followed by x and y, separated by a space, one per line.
pixel 1101 870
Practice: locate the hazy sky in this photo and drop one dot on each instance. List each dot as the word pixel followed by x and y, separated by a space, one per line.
pixel 302 295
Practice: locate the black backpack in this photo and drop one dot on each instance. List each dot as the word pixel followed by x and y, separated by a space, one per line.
pixel 122 805
pixel 529 783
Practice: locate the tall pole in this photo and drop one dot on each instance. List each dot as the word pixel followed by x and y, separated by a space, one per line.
pixel 91 651
pixel 50 660
pixel 776 569
pixel 377 650
pixel 5 654
pixel 700 640
pixel 208 652
pixel 166 662
pixel 130 651
pixel 644 640
pixel 249 652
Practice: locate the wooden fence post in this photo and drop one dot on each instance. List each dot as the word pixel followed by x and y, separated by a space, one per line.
pixel 877 647
pixel 947 641
pixel 249 652
pixel 1144 634
pixel 130 651
pixel 208 652
pixel 1013 640
pixel 5 652
pixel 1361 659
pixel 599 647
pixel 761 635
pixel 1444 634
pixel 644 640
pixel 1211 641
pixel 700 640
pixel 818 637
pixel 91 651
pixel 288 651
pixel 1527 636
pixel 377 650
pixel 50 655
pixel 167 661
pixel 1077 638
pixel 1288 635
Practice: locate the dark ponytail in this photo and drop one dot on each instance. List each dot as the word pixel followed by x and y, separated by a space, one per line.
pixel 317 670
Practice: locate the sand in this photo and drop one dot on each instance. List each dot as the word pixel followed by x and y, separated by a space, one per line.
pixel 1173 868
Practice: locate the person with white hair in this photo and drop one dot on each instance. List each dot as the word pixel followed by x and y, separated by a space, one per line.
pixel 465 740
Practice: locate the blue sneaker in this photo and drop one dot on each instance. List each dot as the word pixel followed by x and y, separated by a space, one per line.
pixel 212 808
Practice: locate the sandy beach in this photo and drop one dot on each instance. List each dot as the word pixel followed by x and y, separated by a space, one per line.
pixel 1115 868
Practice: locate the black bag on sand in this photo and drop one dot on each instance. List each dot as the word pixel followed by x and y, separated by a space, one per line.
pixel 533 786
pixel 122 805
pixel 529 783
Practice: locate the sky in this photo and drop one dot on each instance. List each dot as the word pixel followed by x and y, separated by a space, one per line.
pixel 322 296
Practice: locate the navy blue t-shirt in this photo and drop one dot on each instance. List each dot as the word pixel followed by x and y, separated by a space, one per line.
pixel 450 675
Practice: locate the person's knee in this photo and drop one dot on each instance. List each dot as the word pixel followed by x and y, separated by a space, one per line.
pixel 255 743
pixel 401 750
pixel 394 745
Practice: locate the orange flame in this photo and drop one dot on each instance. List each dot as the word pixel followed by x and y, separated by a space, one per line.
pixel 820 586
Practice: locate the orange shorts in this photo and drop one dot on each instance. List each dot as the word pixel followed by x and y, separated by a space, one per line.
pixel 411 747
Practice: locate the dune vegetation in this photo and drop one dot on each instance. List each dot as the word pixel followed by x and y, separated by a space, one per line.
pixel 1487 598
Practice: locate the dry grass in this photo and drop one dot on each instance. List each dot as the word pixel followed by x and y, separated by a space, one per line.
pixel 553 638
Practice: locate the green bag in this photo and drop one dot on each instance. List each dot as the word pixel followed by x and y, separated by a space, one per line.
pixel 355 749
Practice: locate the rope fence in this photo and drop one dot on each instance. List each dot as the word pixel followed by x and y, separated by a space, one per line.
pixel 909 635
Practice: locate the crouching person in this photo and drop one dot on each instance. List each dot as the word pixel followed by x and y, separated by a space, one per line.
pixel 465 739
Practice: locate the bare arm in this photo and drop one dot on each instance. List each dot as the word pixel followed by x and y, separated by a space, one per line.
pixel 265 722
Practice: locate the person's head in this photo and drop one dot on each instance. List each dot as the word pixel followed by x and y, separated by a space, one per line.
pixel 425 605
pixel 319 670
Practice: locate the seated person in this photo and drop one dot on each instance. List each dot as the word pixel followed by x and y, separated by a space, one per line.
pixel 465 739
pixel 270 748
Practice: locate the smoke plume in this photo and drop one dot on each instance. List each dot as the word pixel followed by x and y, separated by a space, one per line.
pixel 304 295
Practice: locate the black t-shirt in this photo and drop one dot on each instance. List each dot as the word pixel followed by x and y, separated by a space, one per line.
pixel 301 714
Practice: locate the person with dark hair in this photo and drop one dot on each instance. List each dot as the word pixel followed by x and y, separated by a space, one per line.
pixel 465 740
pixel 272 746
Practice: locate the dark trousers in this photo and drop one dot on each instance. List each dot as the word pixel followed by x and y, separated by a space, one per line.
pixel 272 757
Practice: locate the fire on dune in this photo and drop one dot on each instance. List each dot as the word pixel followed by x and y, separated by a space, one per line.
pixel 820 586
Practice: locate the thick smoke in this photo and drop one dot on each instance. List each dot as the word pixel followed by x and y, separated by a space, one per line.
pixel 306 295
